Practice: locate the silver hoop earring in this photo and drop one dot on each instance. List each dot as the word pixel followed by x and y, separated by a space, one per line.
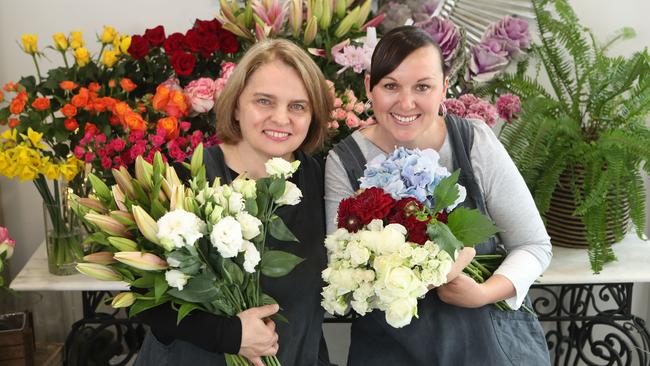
pixel 442 111
pixel 367 107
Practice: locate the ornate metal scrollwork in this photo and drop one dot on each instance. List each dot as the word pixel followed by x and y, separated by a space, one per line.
pixel 102 338
pixel 591 324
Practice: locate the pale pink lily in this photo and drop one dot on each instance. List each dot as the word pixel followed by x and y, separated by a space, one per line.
pixel 143 261
pixel 374 22
pixel 271 14
pixel 318 52
pixel 295 17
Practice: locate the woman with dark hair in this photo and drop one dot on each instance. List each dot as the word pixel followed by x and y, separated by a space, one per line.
pixel 456 324
pixel 275 104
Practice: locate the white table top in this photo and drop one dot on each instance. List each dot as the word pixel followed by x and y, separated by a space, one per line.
pixel 35 277
pixel 569 266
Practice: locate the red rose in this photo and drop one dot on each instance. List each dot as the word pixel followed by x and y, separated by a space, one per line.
pixel 204 42
pixel 183 63
pixel 155 36
pixel 139 47
pixel 193 40
pixel 175 42
pixel 228 42
pixel 212 26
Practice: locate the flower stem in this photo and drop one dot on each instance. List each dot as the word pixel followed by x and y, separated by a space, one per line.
pixel 38 69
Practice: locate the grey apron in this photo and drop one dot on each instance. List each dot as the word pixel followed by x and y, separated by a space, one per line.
pixel 445 334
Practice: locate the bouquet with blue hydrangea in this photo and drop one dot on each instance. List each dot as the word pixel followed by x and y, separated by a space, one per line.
pixel 398 236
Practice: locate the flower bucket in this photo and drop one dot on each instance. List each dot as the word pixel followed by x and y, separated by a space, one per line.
pixel 63 239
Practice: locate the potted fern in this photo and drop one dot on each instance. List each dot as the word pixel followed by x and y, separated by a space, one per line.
pixel 585 140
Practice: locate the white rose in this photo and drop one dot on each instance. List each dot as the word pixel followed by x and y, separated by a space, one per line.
pixel 391 239
pixel 358 254
pixel 369 239
pixel 236 202
pixel 245 186
pixel 176 278
pixel 278 167
pixel 361 307
pixel 251 257
pixel 250 225
pixel 400 312
pixel 344 280
pixel 227 237
pixel 406 251
pixel 401 281
pixel 291 195
pixel 332 303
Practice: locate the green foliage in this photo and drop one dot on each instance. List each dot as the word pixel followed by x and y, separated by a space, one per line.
pixel 591 125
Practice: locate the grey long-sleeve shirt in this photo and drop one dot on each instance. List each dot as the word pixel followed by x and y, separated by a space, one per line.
pixel 508 201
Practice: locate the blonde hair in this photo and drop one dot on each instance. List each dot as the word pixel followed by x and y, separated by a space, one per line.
pixel 262 53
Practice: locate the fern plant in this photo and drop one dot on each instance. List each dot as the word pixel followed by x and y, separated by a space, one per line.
pixel 592 120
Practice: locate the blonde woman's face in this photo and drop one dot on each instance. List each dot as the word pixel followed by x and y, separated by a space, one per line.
pixel 273 111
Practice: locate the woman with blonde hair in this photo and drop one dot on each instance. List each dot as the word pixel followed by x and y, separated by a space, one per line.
pixel 275 104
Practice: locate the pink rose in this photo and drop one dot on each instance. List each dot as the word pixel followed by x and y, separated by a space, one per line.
pixel 7 244
pixel 352 120
pixel 219 85
pixel 332 125
pixel 226 70
pixel 338 103
pixel 359 108
pixel 200 94
pixel 340 113
pixel 172 84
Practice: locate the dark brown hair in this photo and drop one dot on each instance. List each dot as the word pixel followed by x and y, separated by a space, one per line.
pixel 395 46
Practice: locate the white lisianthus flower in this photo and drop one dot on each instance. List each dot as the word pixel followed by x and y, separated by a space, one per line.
pixel 400 312
pixel 251 256
pixel 180 228
pixel 245 186
pixel 291 196
pixel 336 240
pixel 344 280
pixel 236 202
pixel 332 303
pixel 176 278
pixel 226 236
pixel 361 307
pixel 250 225
pixel 278 167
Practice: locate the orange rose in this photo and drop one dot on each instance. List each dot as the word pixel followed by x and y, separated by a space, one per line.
pixel 170 125
pixel 134 121
pixel 111 83
pixel 71 124
pixel 180 101
pixel 94 87
pixel 10 87
pixel 22 96
pixel 141 107
pixel 127 85
pixel 13 122
pixel 91 127
pixel 2 97
pixel 17 106
pixel 120 109
pixel 114 120
pixel 68 85
pixel 81 99
pixel 69 110
pixel 41 104
pixel 161 98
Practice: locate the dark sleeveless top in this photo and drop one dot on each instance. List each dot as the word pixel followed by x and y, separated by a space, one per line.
pixel 444 334
pixel 298 293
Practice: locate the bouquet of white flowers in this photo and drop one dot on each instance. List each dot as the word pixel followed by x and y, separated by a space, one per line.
pixel 398 237
pixel 200 246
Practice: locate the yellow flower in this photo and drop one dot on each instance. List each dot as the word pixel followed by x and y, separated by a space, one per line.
pixel 51 171
pixel 27 173
pixel 82 56
pixel 9 134
pixel 110 58
pixel 108 35
pixel 60 41
pixel 71 168
pixel 125 43
pixel 76 39
pixel 34 137
pixel 30 43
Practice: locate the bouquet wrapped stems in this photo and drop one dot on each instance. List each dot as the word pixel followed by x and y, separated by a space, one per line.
pixel 482 267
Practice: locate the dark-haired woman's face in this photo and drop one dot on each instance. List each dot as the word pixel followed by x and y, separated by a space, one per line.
pixel 406 101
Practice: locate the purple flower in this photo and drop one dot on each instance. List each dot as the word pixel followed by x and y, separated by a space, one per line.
pixel 512 30
pixel 487 59
pixel 357 58
pixel 468 99
pixel 455 106
pixel 508 106
pixel 445 33
pixel 396 15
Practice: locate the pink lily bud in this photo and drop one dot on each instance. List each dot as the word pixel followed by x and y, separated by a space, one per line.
pixel 99 271
pixel 146 224
pixel 310 31
pixel 123 179
pixel 100 258
pixel 295 17
pixel 374 22
pixel 107 224
pixel 93 204
pixel 124 300
pixel 123 217
pixel 143 172
pixel 118 196
pixel 143 261
pixel 123 244
pixel 317 52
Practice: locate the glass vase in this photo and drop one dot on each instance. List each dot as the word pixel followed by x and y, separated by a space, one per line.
pixel 63 238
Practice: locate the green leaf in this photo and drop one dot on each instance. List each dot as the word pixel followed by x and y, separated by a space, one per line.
pixel 470 226
pixel 198 289
pixel 446 192
pixel 142 305
pixel 280 231
pixel 276 263
pixel 146 281
pixel 185 310
pixel 251 206
pixel 277 188
pixel 234 271
pixel 441 235
pixel 160 285
pixel 158 210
